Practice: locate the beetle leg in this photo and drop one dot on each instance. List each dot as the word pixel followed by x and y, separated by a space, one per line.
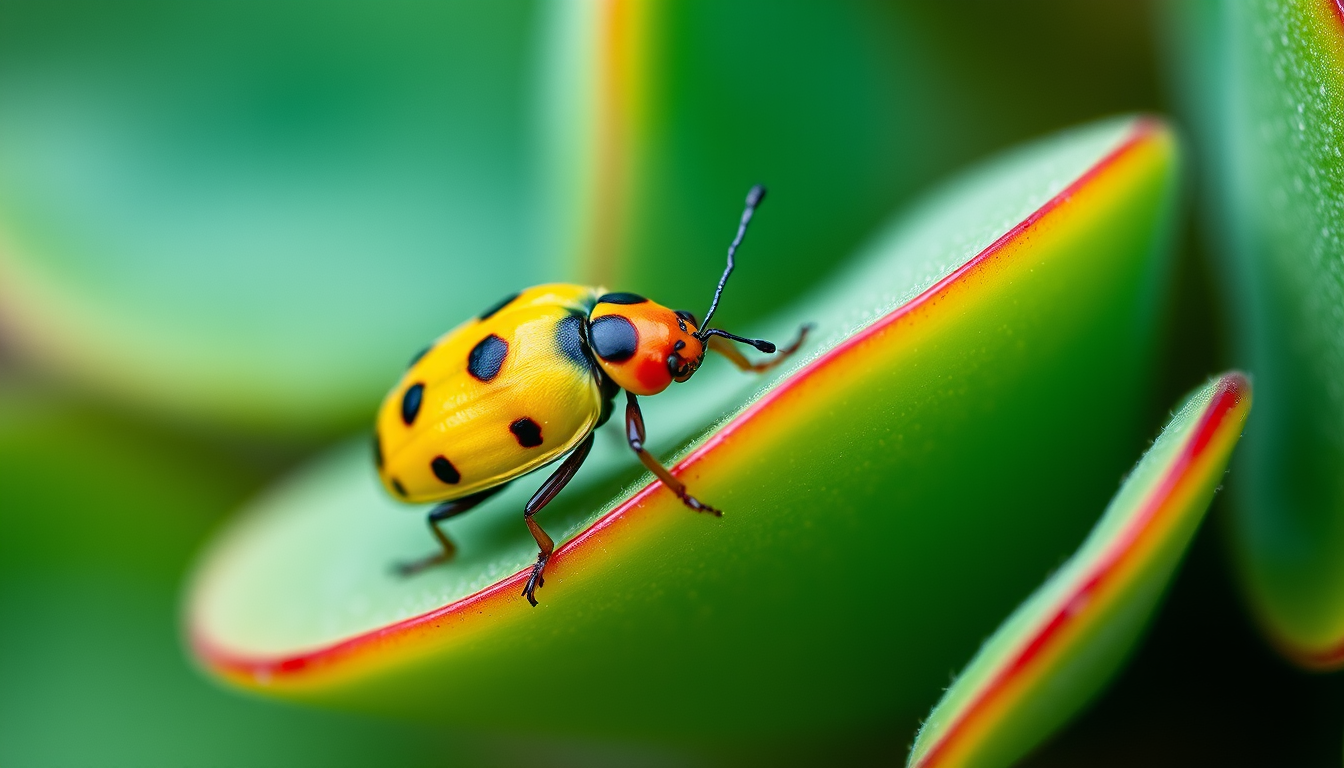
pixel 725 348
pixel 437 515
pixel 548 490
pixel 634 432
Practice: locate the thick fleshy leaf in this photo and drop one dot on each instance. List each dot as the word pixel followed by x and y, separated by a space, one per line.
pixel 1067 640
pixel 975 380
pixel 254 213
pixel 1266 86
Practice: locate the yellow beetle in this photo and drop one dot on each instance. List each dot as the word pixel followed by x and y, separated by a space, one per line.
pixel 526 382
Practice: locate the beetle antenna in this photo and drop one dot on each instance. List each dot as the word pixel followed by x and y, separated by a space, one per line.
pixel 754 197
pixel 760 344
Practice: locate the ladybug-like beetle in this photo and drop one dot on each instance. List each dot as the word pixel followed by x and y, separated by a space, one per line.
pixel 526 382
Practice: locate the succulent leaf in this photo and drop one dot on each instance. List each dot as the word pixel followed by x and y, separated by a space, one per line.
pixel 1070 637
pixel 252 214
pixel 1264 81
pixel 976 380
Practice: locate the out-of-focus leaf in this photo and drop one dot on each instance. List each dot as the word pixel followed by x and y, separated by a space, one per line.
pixel 81 487
pixel 1265 82
pixel 98 517
pixel 659 116
pixel 975 382
pixel 1068 639
pixel 255 212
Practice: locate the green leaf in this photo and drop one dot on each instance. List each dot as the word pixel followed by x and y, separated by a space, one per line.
pixel 1265 82
pixel 975 380
pixel 1070 637
pixel 253 213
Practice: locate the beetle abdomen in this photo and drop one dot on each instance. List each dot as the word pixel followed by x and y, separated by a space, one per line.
pixel 493 399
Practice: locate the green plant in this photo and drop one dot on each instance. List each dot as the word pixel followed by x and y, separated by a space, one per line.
pixel 224 229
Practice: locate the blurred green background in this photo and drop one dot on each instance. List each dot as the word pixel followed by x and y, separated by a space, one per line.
pixel 223 230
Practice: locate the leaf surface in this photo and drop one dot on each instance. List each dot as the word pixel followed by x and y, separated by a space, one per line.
pixel 254 214
pixel 1066 641
pixel 974 381
pixel 1264 81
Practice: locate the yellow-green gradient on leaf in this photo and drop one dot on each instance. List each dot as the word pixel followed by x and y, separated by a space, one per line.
pixel 594 121
pixel 975 380
pixel 1067 640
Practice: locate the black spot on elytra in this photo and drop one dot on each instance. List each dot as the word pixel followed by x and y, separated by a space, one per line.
pixel 621 298
pixel 399 488
pixel 410 403
pixel 569 334
pixel 444 470
pixel 502 303
pixel 487 357
pixel 377 452
pixel 614 338
pixel 527 431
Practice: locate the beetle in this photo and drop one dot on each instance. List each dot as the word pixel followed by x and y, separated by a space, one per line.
pixel 527 382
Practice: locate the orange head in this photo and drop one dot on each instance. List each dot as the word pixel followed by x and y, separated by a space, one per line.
pixel 644 347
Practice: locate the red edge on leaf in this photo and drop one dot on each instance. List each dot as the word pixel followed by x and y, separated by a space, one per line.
pixel 1338 7
pixel 266 669
pixel 1231 390
pixel 1328 660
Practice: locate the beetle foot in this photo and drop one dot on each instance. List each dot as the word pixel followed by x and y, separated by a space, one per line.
pixel 700 506
pixel 535 580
